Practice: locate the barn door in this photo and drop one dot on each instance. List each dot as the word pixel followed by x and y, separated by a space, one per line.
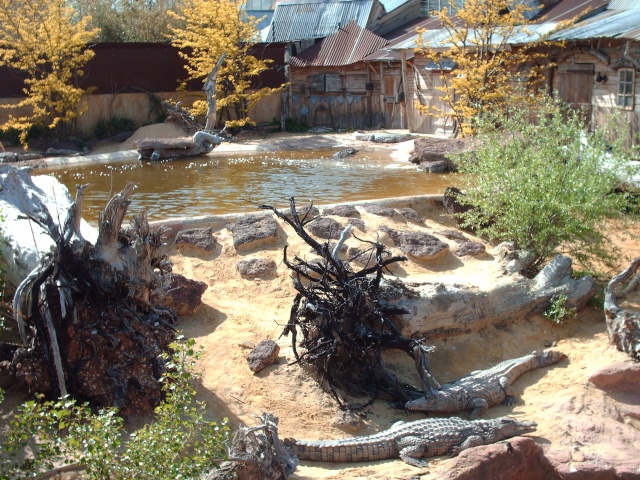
pixel 393 92
pixel 575 86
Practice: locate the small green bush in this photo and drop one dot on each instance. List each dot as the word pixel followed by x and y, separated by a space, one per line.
pixel 178 443
pixel 292 126
pixel 546 184
pixel 558 311
pixel 112 126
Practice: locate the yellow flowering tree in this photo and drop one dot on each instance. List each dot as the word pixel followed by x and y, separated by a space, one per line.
pixel 490 72
pixel 208 29
pixel 39 38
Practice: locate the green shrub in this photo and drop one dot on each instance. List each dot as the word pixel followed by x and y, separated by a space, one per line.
pixel 546 184
pixel 558 311
pixel 178 443
pixel 294 127
pixel 112 126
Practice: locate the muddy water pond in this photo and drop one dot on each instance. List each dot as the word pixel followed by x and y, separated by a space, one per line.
pixel 218 185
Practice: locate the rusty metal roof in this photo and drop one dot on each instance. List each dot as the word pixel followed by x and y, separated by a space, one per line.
pixel 349 45
pixel 569 9
pixel 295 20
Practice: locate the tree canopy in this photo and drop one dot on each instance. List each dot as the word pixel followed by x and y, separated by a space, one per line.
pixel 208 29
pixel 40 38
pixel 490 72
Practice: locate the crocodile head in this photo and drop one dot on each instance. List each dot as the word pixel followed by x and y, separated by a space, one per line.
pixel 427 403
pixel 507 427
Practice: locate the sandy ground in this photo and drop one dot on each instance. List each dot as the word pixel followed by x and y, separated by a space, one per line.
pixel 238 312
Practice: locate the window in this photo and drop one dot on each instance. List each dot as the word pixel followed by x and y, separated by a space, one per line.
pixel 626 78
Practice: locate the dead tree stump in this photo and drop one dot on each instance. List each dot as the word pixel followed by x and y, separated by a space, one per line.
pixel 623 325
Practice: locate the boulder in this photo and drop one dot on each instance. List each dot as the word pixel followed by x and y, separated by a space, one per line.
pixel 342 211
pixel 198 238
pixel 264 355
pixel 469 248
pixel 254 231
pixel 326 228
pixel 410 215
pixel 184 295
pixel 620 378
pixel 380 210
pixel 421 246
pixel 256 267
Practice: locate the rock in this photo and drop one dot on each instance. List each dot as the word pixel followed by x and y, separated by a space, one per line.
pixel 184 295
pixel 379 210
pixel 453 235
pixel 347 420
pixel 433 153
pixel 342 211
pixel 308 211
pixel 469 248
pixel 344 153
pixel 451 203
pixel 440 166
pixel 422 246
pixel 326 228
pixel 265 354
pixel 411 215
pixel 620 378
pixel 518 458
pixel 198 238
pixel 358 223
pixel 257 267
pixel 254 231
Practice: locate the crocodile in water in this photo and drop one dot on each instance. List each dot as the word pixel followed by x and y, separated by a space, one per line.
pixel 484 388
pixel 429 437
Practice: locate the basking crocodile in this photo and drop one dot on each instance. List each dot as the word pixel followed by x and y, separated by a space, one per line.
pixel 411 440
pixel 484 388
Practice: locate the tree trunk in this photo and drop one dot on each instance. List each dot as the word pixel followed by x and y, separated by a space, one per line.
pixel 623 325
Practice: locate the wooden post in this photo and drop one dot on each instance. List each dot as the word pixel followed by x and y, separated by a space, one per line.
pixel 405 121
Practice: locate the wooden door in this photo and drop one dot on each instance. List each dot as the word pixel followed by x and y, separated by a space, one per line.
pixel 575 86
pixel 392 99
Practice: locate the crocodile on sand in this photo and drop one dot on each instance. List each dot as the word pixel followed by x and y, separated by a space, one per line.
pixel 482 389
pixel 410 441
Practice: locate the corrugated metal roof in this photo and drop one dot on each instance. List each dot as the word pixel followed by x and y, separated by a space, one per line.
pixel 568 10
pixel 391 5
pixel 624 5
pixel 295 20
pixel 349 45
pixel 609 24
pixel 265 17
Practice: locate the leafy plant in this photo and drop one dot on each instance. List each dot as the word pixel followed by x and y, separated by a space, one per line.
pixel 558 311
pixel 178 443
pixel 295 127
pixel 541 181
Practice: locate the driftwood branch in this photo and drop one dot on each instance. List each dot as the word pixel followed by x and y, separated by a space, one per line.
pixel 623 325
pixel 339 324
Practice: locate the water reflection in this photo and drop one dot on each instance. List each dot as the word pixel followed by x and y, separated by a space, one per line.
pixel 214 185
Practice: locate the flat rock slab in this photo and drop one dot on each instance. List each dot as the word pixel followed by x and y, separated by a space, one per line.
pixel 379 210
pixel 254 231
pixel 410 215
pixel 184 295
pixel 197 238
pixel 264 355
pixel 326 228
pixel 308 211
pixel 348 211
pixel 421 246
pixel 257 267
pixel 469 248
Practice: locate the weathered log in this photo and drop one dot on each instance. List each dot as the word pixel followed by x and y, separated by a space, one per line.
pixel 157 149
pixel 623 325
pixel 450 309
pixel 257 454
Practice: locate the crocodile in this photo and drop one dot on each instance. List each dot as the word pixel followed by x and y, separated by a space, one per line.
pixel 410 441
pixel 482 389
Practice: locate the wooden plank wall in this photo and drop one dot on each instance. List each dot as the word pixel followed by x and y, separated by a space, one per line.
pixel 336 96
